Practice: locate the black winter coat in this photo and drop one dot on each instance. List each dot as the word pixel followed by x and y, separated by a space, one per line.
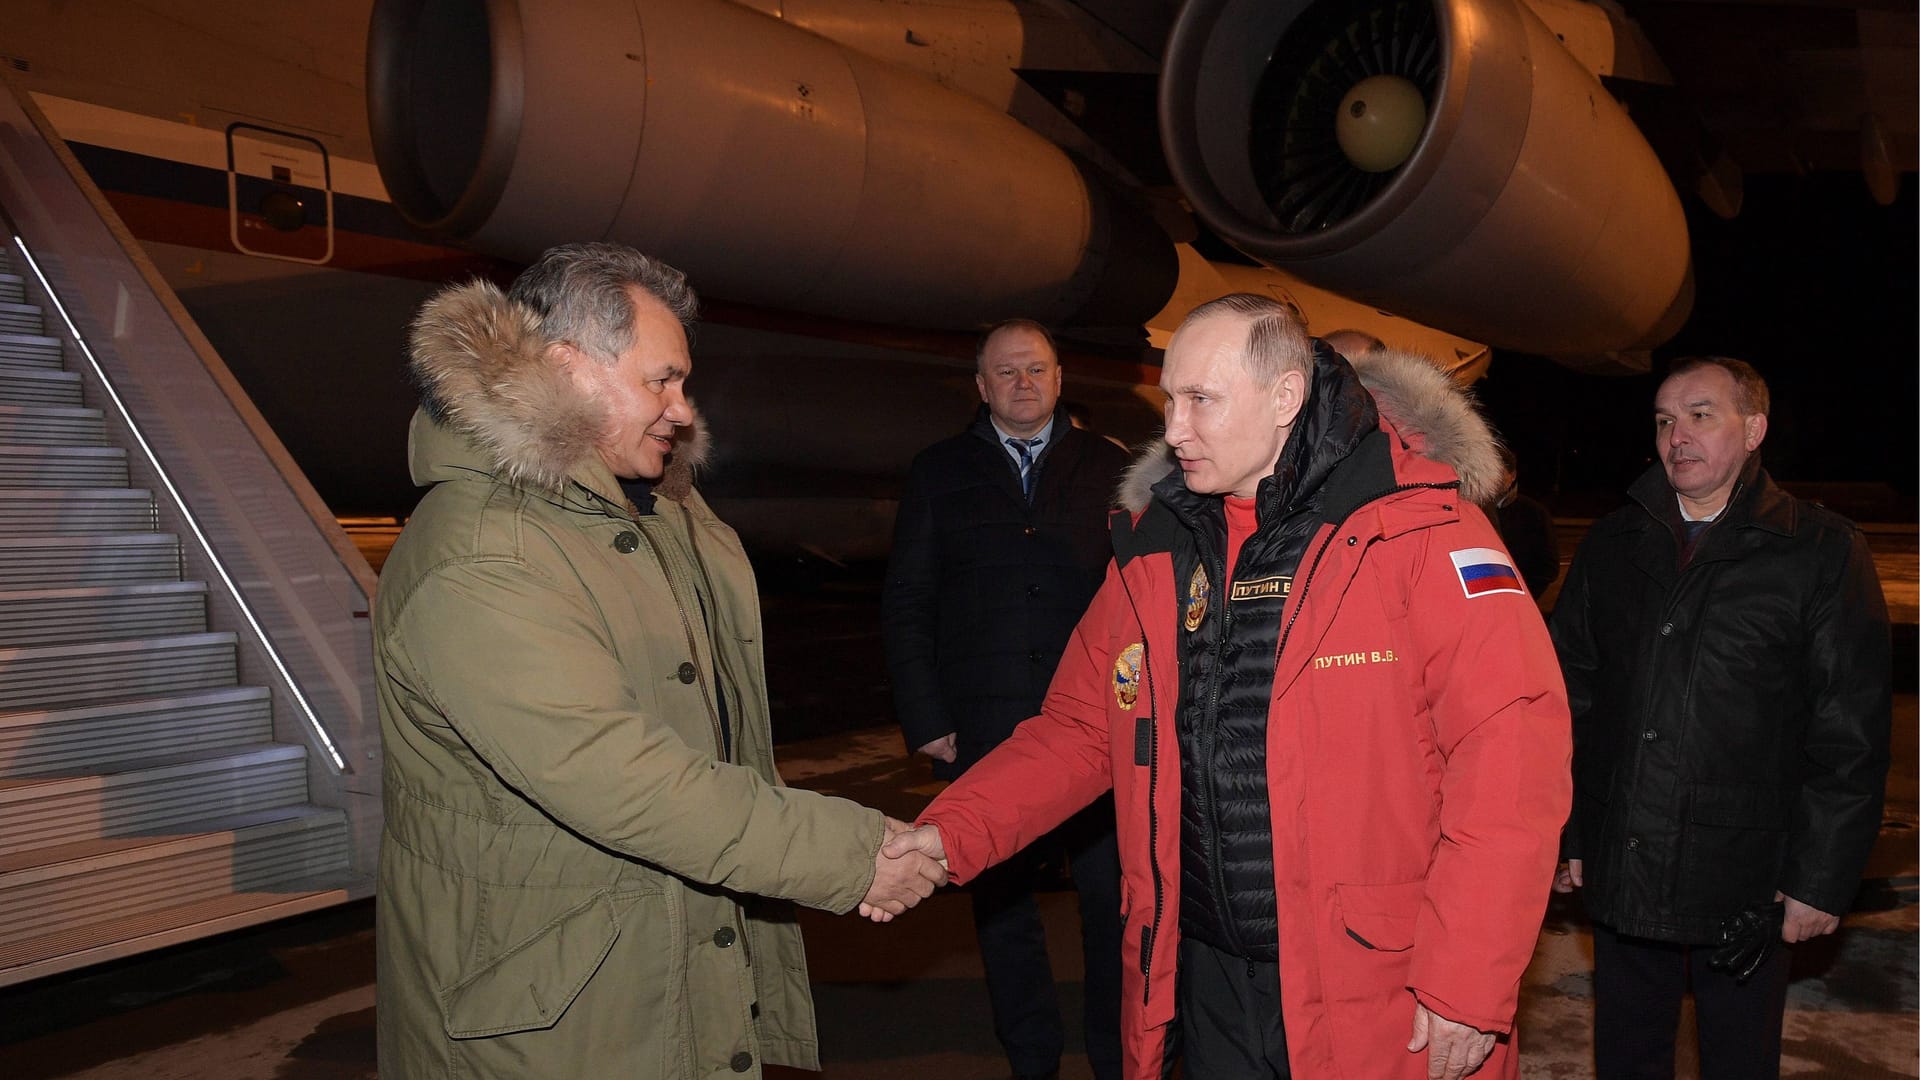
pixel 984 588
pixel 1730 719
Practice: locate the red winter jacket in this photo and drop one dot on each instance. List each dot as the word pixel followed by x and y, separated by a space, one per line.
pixel 1417 758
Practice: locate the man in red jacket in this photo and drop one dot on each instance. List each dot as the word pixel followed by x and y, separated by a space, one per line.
pixel 1329 713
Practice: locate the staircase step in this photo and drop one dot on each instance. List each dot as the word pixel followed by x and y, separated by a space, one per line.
pixel 13 289
pixel 22 318
pixel 70 562
pixel 147 930
pixel 24 386
pixel 91 738
pixel 50 425
pixel 102 612
pixel 62 466
pixel 98 672
pixel 145 798
pixel 58 890
pixel 75 511
pixel 30 350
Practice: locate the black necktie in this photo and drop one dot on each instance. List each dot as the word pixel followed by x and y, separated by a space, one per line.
pixel 1024 447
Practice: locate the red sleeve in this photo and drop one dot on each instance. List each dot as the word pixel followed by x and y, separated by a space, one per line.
pixel 1499 713
pixel 1052 766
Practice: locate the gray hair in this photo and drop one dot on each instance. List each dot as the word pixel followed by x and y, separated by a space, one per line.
pixel 1750 393
pixel 1277 339
pixel 580 293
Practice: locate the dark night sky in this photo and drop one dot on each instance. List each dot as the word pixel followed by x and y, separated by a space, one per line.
pixel 1813 284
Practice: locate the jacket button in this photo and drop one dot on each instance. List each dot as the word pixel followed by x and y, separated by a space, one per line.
pixel 1028 531
pixel 1035 656
pixel 723 937
pixel 1633 843
pixel 1650 735
pixel 1666 629
pixel 686 672
pixel 1352 540
pixel 1033 590
pixel 742 1061
pixel 626 543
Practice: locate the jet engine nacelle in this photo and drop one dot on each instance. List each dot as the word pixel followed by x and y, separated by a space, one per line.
pixel 774 166
pixel 1528 212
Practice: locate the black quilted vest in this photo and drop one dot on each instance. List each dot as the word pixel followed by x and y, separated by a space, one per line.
pixel 1229 643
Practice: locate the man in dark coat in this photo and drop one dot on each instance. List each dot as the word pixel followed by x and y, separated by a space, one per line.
pixel 1000 544
pixel 1726 653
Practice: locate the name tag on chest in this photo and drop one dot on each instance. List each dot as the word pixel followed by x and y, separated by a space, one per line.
pixel 1267 588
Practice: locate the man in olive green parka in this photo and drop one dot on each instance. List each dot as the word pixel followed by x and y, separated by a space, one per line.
pixel 587 850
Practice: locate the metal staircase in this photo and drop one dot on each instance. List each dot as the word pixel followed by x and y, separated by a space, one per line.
pixel 143 797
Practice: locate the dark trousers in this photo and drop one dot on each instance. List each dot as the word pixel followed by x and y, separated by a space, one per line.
pixel 1229 1016
pixel 1637 987
pixel 1013 946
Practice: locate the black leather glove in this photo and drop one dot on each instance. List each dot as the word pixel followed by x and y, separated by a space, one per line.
pixel 1747 939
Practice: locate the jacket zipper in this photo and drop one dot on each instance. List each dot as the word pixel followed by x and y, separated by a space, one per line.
pixel 1150 932
pixel 693 650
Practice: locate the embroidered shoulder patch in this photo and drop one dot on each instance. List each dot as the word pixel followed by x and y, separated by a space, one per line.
pixel 1485 571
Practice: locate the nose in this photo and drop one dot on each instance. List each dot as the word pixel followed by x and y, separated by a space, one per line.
pixel 1177 431
pixel 678 412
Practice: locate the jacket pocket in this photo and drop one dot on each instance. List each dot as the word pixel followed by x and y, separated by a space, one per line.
pixel 1382 917
pixel 1731 847
pixel 529 986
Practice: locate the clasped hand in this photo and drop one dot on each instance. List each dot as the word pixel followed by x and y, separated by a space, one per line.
pixel 910 864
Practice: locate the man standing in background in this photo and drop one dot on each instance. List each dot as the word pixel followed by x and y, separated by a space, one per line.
pixel 1727 661
pixel 1000 543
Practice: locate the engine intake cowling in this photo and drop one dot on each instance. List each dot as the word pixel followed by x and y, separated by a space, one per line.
pixel 774 166
pixel 1530 213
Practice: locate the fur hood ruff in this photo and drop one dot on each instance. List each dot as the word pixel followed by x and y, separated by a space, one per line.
pixel 478 360
pixel 1438 418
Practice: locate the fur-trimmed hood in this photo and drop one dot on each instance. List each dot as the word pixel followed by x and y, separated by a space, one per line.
pixel 477 358
pixel 1433 415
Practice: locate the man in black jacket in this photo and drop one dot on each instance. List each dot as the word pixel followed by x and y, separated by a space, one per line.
pixel 1726 653
pixel 999 546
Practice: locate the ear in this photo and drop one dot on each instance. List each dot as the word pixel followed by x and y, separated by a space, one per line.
pixel 577 365
pixel 980 382
pixel 1290 396
pixel 1756 431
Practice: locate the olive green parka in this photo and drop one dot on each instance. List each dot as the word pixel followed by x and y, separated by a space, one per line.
pixel 575 879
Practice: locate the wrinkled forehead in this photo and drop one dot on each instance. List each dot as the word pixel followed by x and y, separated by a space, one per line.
pixel 1709 385
pixel 1208 349
pixel 1016 345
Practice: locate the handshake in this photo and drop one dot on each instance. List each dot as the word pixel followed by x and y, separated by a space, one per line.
pixel 910 864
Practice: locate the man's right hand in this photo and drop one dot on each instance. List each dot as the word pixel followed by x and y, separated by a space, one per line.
pixel 945 748
pixel 901 878
pixel 1569 878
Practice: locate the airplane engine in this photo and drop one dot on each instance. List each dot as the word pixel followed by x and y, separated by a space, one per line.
pixel 1448 160
pixel 774 166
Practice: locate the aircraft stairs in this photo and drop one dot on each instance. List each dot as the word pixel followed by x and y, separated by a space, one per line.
pixel 152 789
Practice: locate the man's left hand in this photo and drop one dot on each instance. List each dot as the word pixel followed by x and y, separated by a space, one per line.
pixel 1804 922
pixel 1453 1050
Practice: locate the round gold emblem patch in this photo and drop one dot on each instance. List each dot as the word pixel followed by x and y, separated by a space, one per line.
pixel 1197 590
pixel 1126 675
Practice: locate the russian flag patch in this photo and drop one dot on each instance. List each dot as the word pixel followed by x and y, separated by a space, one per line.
pixel 1486 570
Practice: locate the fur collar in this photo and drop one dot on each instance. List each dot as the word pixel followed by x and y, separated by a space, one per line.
pixel 477 360
pixel 1433 415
